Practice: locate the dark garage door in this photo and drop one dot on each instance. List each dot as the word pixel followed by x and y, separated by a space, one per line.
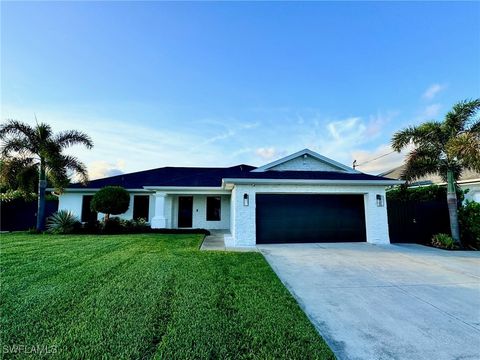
pixel 302 218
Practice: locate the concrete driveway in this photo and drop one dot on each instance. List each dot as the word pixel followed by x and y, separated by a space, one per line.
pixel 386 301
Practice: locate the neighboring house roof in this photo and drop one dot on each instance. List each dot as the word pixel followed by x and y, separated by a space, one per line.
pixel 467 176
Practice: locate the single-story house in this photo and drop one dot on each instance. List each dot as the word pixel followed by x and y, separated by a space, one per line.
pixel 303 197
pixel 469 180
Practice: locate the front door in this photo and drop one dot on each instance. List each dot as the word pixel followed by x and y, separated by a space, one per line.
pixel 185 210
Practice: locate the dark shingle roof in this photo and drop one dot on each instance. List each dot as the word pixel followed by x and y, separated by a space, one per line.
pixel 170 176
pixel 212 177
pixel 310 175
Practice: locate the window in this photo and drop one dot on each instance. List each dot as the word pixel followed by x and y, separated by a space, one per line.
pixel 140 207
pixel 87 214
pixel 213 208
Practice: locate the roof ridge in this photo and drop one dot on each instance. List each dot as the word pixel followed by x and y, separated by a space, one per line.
pixel 171 167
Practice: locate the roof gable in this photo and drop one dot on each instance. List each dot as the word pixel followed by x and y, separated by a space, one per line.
pixel 305 160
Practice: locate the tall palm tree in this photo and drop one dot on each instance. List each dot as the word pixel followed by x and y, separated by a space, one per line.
pixel 445 148
pixel 38 148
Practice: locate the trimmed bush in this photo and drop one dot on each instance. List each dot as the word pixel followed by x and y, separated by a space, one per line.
pixel 135 226
pixel 62 222
pixel 112 225
pixel 469 219
pixel 422 193
pixel 115 225
pixel 111 200
pixel 443 241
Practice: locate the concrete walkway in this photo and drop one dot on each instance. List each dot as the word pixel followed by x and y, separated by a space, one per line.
pixel 216 242
pixel 386 302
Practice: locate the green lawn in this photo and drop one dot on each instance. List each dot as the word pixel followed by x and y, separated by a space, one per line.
pixel 146 296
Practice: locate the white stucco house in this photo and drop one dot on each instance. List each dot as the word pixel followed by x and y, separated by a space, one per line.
pixel 304 197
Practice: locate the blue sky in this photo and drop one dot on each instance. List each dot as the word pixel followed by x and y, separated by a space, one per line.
pixel 214 84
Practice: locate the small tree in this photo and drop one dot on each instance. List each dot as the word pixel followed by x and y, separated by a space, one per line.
pixel 111 200
pixel 445 148
pixel 30 150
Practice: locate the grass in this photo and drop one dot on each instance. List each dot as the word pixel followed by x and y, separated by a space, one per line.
pixel 145 296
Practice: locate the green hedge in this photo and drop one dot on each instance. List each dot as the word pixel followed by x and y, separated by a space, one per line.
pixel 422 193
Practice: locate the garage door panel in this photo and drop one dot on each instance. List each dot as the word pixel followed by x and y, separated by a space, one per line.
pixel 284 218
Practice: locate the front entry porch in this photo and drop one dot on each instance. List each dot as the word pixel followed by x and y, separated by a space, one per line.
pixel 209 210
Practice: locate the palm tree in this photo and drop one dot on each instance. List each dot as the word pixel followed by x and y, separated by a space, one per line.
pixel 27 147
pixel 445 148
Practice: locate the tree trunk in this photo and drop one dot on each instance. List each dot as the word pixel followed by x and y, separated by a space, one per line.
pixel 452 207
pixel 42 185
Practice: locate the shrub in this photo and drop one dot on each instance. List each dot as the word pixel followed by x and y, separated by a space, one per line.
pixel 422 193
pixel 116 225
pixel 444 241
pixel 112 226
pixel 469 219
pixel 62 222
pixel 139 225
pixel 11 195
pixel 111 200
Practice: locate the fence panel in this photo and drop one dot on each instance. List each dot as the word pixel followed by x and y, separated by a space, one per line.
pixel 19 215
pixel 417 221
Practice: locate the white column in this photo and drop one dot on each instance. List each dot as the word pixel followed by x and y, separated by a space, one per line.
pixel 159 221
pixel 376 218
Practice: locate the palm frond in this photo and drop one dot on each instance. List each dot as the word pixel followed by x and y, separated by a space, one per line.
pixel 43 131
pixel 455 167
pixel 18 173
pixel 72 137
pixel 79 168
pixel 58 167
pixel 475 126
pixel 421 162
pixel 466 149
pixel 15 145
pixel 458 118
pixel 429 133
pixel 16 128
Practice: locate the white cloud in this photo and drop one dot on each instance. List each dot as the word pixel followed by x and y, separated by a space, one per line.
pixel 208 142
pixel 230 130
pixel 266 153
pixel 429 112
pixel 139 146
pixel 344 136
pixel 100 169
pixel 433 90
pixel 347 129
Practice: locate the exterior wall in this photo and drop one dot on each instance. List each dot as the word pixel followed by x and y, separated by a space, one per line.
pixel 244 228
pixel 473 191
pixel 307 164
pixel 199 220
pixel 73 203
